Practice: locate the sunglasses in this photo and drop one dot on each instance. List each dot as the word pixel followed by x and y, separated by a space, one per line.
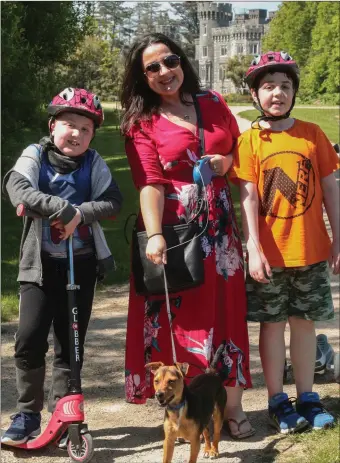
pixel 170 62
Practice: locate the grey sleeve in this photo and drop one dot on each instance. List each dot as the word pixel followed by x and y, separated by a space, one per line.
pixel 20 191
pixel 107 205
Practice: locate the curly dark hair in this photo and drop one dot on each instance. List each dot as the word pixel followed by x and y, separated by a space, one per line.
pixel 138 101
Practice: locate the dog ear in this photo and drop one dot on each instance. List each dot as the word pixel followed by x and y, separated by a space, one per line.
pixel 153 366
pixel 182 367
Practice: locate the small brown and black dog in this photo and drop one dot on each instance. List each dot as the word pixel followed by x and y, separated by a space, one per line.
pixel 188 409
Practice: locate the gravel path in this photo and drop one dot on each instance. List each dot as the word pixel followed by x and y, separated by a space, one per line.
pixel 126 433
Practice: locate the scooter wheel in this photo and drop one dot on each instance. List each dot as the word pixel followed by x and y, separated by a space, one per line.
pixel 336 361
pixel 85 453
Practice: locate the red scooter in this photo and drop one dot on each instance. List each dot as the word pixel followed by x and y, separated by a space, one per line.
pixel 69 411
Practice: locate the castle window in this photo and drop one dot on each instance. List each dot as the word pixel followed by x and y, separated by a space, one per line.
pixel 204 29
pixel 239 49
pixel 205 51
pixel 224 50
pixel 254 49
pixel 222 73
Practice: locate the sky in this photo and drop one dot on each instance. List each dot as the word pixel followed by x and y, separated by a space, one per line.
pixel 238 5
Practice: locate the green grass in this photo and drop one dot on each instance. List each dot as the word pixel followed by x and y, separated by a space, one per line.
pixel 314 447
pixel 327 119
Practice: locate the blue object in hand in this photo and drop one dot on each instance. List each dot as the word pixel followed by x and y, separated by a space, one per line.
pixel 202 172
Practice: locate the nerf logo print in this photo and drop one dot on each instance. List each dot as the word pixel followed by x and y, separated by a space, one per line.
pixel 297 187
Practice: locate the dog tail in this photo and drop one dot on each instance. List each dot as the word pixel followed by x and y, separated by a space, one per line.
pixel 213 364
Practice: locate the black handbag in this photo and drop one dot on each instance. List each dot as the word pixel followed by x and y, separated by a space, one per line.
pixel 185 265
pixel 184 268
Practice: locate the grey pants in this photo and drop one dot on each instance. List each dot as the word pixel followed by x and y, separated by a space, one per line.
pixel 30 385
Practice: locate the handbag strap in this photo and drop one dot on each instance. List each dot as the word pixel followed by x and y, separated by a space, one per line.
pixel 126 225
pixel 200 125
pixel 201 202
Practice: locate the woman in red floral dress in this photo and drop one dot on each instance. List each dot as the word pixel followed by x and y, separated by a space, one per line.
pixel 162 145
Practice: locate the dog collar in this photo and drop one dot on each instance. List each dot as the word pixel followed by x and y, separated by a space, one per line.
pixel 176 407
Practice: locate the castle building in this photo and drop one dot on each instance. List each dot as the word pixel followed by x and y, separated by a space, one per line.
pixel 224 35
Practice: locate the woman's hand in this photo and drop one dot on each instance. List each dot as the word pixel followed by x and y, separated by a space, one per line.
pixel 220 164
pixel 156 250
pixel 259 267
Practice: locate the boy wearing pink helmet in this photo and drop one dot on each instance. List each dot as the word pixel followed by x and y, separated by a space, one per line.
pixel 70 185
pixel 286 170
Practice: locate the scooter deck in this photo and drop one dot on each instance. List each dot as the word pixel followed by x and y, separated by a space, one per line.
pixel 2 432
pixel 43 439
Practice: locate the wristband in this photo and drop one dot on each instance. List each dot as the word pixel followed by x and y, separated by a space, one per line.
pixel 155 234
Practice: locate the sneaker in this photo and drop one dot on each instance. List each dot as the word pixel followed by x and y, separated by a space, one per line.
pixel 324 353
pixel 23 427
pixel 63 441
pixel 309 406
pixel 283 415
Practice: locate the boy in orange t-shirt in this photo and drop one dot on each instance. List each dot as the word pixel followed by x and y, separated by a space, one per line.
pixel 286 170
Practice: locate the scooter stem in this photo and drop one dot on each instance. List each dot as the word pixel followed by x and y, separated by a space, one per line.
pixel 74 381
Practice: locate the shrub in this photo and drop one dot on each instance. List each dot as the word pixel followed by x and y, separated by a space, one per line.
pixel 238 98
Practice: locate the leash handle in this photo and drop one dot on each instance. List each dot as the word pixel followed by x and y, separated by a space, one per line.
pixel 174 357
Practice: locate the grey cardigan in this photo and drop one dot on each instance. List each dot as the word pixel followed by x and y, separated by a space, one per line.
pixel 22 185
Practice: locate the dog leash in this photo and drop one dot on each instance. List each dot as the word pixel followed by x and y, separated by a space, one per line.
pixel 219 350
pixel 205 202
pixel 174 357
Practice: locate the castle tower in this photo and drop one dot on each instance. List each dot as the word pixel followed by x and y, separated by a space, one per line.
pixel 223 36
pixel 210 16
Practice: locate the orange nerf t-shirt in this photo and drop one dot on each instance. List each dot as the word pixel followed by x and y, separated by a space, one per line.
pixel 288 167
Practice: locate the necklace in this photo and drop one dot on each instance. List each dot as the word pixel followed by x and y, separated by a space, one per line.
pixel 184 117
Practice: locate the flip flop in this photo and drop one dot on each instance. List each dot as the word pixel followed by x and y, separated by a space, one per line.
pixel 239 434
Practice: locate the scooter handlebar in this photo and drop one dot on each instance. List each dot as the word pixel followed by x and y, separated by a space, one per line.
pixel 23 211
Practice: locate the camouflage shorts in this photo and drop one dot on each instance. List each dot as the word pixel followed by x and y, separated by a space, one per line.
pixel 302 292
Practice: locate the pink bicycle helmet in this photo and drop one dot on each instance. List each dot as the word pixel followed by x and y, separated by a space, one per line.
pixel 272 61
pixel 77 100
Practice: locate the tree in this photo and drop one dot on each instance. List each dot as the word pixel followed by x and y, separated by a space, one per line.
pixel 236 68
pixel 321 74
pixel 144 17
pixel 113 18
pixel 186 19
pixel 291 28
pixel 36 36
pixel 94 65
pixel 309 32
